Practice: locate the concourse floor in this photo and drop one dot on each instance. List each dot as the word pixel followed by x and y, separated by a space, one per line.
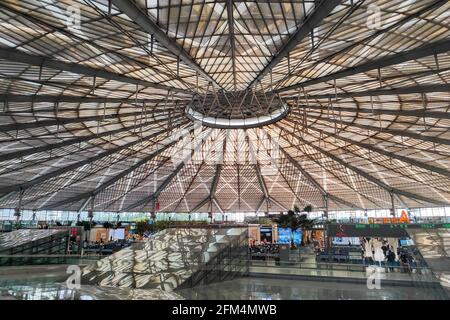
pixel 36 284
pixel 254 288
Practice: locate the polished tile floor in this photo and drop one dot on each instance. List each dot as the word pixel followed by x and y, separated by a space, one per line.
pixel 52 287
pixel 253 288
pixel 50 290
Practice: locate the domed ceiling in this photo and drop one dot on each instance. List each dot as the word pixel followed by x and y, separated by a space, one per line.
pixel 224 106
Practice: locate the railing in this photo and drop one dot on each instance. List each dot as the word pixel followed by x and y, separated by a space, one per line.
pixel 40 259
pixel 193 252
pixel 349 267
pixel 231 261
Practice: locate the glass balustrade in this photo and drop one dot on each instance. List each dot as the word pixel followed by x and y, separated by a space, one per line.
pixel 170 258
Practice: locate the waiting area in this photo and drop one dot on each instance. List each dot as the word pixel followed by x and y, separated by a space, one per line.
pixel 220 149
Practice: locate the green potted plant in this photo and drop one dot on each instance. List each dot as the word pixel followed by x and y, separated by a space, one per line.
pixel 294 220
pixel 142 227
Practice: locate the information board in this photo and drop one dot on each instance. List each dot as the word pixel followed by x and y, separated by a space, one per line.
pixel 379 230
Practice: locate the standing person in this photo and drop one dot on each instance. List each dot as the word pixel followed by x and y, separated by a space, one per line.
pixel 379 256
pixel 404 262
pixel 385 248
pixel 390 255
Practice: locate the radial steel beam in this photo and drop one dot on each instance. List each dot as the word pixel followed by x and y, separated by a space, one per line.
pixel 266 198
pixel 5 98
pixel 6 195
pixel 212 189
pixel 399 199
pixel 321 11
pixel 267 201
pixel 143 20
pixel 278 204
pixel 263 200
pixel 384 92
pixel 155 195
pixel 363 173
pixel 386 153
pixel 263 187
pixel 166 182
pixel 201 204
pixel 426 50
pixel 111 181
pixel 325 168
pixel 16 55
pixel 91 42
pixel 215 182
pixel 306 174
pixel 68 142
pixel 229 4
pixel 347 202
pixel 143 202
pixel 411 16
pixel 419 113
pixel 396 132
pixel 63 121
pixel 189 186
pixel 368 198
pixel 214 200
pixel 73 166
pixel 219 167
pixel 314 181
pixel 83 205
pixel 262 183
pixel 136 184
pixel 59 121
pixel 275 164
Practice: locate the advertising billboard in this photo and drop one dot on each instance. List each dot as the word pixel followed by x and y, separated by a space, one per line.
pixel 284 236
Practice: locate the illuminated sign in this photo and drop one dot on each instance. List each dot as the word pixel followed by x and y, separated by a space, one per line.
pixel 394 230
pixel 402 219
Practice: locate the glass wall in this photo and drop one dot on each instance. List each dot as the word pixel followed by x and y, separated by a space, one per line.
pixel 416 214
pixel 342 215
pixel 27 215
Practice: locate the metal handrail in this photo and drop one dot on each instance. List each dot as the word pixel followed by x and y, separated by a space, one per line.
pixel 49 256
pixel 423 271
pixel 44 259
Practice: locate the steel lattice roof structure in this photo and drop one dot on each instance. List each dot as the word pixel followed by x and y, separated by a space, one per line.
pixel 94 97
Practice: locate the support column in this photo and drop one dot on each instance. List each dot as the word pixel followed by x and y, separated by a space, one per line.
pixel 17 211
pixel 325 200
pixel 392 204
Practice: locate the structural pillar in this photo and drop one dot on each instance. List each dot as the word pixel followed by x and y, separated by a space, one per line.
pixel 325 200
pixel 392 204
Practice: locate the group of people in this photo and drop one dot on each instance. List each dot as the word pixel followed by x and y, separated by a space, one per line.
pixel 378 251
pixel 259 251
pixel 102 247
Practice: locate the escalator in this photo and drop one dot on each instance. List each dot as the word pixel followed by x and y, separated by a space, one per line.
pixel 173 258
pixel 434 247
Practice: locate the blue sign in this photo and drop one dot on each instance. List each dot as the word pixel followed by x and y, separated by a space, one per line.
pixel 284 236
